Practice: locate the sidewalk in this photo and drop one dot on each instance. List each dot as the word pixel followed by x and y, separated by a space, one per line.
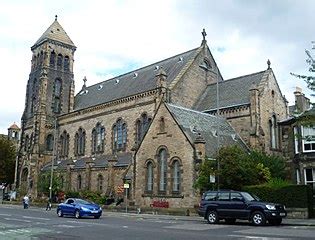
pixel 285 221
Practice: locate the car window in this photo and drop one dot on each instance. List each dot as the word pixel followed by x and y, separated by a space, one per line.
pixel 224 196
pixel 211 196
pixel 236 197
pixel 69 201
pixel 80 201
pixel 249 197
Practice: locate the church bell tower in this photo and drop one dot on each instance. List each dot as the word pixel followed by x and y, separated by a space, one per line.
pixel 49 93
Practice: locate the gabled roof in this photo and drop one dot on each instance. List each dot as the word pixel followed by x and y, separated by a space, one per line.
pixel 55 32
pixel 232 92
pixel 14 126
pixel 129 84
pixel 193 123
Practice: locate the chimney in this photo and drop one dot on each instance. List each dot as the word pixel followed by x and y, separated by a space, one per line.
pixel 302 103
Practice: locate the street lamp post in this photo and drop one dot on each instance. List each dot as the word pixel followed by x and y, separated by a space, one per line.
pixel 218 128
pixel 53 159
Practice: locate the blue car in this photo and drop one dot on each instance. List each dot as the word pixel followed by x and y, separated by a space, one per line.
pixel 79 208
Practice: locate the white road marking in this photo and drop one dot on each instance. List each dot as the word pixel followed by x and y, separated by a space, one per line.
pixel 125 226
pixel 37 218
pixel 7 215
pixel 16 219
pixel 256 237
pixel 195 227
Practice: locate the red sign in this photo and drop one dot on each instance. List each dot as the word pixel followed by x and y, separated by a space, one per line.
pixel 160 204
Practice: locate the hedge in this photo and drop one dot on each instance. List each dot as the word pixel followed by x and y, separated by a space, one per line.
pixel 292 196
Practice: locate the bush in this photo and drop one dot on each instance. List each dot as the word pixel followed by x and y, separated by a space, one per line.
pixel 294 196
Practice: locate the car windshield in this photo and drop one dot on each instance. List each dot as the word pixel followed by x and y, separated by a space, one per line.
pixel 80 201
pixel 249 197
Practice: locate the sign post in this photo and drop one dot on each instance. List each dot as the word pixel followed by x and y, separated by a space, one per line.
pixel 126 187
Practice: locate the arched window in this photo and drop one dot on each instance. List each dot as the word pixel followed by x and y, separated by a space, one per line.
pixel 52 59
pixel 120 135
pixel 142 125
pixel 149 181
pixel 79 182
pixel 57 96
pixel 64 142
pixel 66 63
pixel 34 95
pixel 162 170
pixel 176 176
pixel 100 180
pixel 80 142
pixel 273 132
pixel 162 125
pixel 59 61
pixel 26 143
pixel 98 139
pixel 50 142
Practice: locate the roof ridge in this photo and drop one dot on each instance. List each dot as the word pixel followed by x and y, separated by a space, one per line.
pixel 192 110
pixel 135 70
pixel 256 73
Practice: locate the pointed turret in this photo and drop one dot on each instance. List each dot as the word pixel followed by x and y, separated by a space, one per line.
pixel 55 32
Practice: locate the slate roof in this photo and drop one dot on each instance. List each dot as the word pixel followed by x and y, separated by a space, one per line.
pixel 55 32
pixel 137 81
pixel 101 161
pixel 232 92
pixel 194 122
pixel 14 126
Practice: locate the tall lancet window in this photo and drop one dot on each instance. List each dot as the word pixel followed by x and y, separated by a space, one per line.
pixel 162 170
pixel 57 96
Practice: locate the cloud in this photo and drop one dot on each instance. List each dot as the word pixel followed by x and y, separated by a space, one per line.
pixel 114 37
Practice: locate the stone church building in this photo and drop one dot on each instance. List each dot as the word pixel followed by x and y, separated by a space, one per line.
pixel 151 127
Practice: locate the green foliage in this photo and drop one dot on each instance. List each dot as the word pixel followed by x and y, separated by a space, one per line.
pixel 203 181
pixel 72 194
pixel 92 196
pixel 238 168
pixel 294 196
pixel 7 161
pixel 44 183
pixel 275 164
pixel 277 183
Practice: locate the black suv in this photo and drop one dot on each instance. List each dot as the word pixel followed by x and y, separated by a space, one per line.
pixel 231 205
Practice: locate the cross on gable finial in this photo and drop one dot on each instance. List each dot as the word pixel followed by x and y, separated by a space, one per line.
pixel 84 80
pixel 56 17
pixel 204 34
pixel 268 63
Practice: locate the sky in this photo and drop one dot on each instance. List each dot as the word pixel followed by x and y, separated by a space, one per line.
pixel 116 36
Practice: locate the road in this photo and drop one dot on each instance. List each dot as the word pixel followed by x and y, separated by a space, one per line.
pixel 36 223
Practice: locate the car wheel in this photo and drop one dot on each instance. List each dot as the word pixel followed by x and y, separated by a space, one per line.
pixel 258 218
pixel 77 214
pixel 212 217
pixel 230 220
pixel 275 222
pixel 59 213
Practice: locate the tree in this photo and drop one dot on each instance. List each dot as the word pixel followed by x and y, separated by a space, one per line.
pixel 44 183
pixel 310 80
pixel 239 168
pixel 7 161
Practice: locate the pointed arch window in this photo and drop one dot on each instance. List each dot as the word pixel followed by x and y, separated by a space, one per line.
pixel 142 125
pixel 79 182
pixel 57 96
pixel 34 94
pixel 176 176
pixel 149 185
pixel 162 170
pixel 100 180
pixel 66 63
pixel 50 142
pixel 64 142
pixel 119 135
pixel 162 125
pixel 98 139
pixel 273 126
pixel 59 60
pixel 80 142
pixel 52 60
pixel 26 143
